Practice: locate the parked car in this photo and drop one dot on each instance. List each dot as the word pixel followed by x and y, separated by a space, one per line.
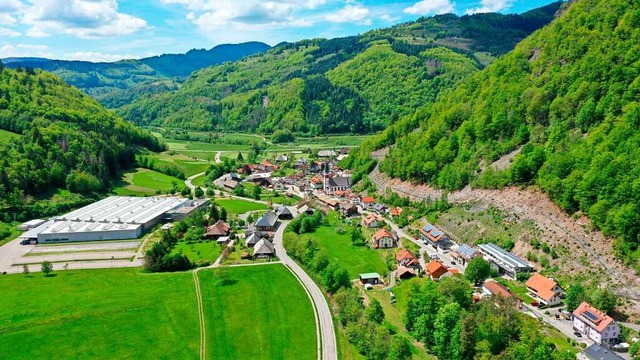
pixel 577 334
pixel 28 242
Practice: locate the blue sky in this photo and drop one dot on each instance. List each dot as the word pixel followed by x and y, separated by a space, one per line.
pixel 107 30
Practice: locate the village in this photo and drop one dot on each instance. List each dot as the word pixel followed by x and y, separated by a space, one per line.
pixel 322 185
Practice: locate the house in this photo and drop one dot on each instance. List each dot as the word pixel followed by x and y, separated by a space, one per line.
pixel 263 249
pixel 503 261
pixel 222 240
pixel 230 184
pixel 372 221
pixel 315 168
pixel 333 204
pixel 383 239
pixel 396 211
pixel 282 158
pixel 379 208
pixel 264 182
pixel 404 272
pixel 337 183
pixel 435 270
pixel 546 291
pixel 367 202
pixel 217 230
pixel 354 198
pixel 267 222
pixel 595 324
pixel 326 153
pixel 316 183
pixel 349 209
pixel 284 213
pixel 235 177
pixel 405 258
pixel 370 278
pixel 301 164
pixel 465 253
pixel 252 239
pixel 280 185
pixel 493 289
pixel 597 352
pixel 435 237
pixel 344 151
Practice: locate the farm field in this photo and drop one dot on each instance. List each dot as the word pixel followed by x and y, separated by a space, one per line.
pixel 6 136
pixel 199 181
pixel 144 182
pixel 99 314
pixel 187 165
pixel 199 251
pixel 264 313
pixel 237 206
pixel 356 259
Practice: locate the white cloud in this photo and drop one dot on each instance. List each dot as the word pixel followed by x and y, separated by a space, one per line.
pixel 351 13
pixel 490 6
pixel 11 6
pixel 426 7
pixel 389 18
pixel 96 56
pixel 7 19
pixel 4 32
pixel 81 18
pixel 25 50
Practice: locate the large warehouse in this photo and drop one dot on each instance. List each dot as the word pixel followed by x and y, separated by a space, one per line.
pixel 114 218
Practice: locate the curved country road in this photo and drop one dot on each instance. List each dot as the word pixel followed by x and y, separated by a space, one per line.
pixel 324 319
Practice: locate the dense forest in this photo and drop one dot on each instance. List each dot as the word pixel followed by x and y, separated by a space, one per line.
pixel 55 137
pixel 117 83
pixel 357 84
pixel 567 98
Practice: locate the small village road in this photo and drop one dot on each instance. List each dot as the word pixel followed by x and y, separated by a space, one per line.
pixel 324 319
pixel 189 181
pixel 218 154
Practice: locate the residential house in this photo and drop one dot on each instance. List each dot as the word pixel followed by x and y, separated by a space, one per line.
pixel 503 261
pixel 406 258
pixel 465 253
pixel 252 239
pixel 325 199
pixel 492 289
pixel 264 249
pixel 231 184
pixel 404 272
pixel 284 213
pixel 435 237
pixel 435 270
pixel 268 167
pixel 370 278
pixel 354 198
pixel 372 221
pixel 597 352
pixel 367 202
pixel 217 230
pixel 315 168
pixel 282 158
pixel 326 153
pixel 544 290
pixel 595 324
pixel 267 222
pixel 379 208
pixel 396 211
pixel 349 209
pixel 301 164
pixel 317 183
pixel 337 183
pixel 344 151
pixel 384 239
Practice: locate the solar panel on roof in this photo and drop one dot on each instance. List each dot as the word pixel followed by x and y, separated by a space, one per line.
pixel 436 233
pixel 591 316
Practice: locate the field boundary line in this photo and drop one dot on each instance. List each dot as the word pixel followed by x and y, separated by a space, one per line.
pixel 203 335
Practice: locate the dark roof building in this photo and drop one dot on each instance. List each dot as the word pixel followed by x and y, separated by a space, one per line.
pixel 263 248
pixel 267 222
pixel 284 213
pixel 217 230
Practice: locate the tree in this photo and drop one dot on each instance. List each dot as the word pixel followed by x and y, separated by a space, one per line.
pixel 604 300
pixel 185 191
pixel 25 269
pixel 240 158
pixel 223 214
pixel 478 270
pixel 199 192
pixel 214 215
pixel 374 312
pixel 47 268
pixel 257 191
pixel 356 235
pixel 400 348
pixel 575 296
pixel 446 332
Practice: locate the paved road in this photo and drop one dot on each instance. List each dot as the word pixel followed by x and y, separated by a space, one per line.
pixel 189 180
pixel 11 252
pixel 324 319
pixel 218 154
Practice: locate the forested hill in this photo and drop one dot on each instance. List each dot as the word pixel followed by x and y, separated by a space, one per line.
pixel 53 136
pixel 117 83
pixel 356 84
pixel 568 97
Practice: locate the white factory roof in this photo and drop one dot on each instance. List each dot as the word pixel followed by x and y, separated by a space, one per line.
pixel 68 227
pixel 122 209
pixel 33 233
pixel 503 256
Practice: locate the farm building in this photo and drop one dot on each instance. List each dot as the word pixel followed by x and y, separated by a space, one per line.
pixel 268 221
pixel 263 249
pixel 370 278
pixel 284 213
pixel 217 230
pixel 113 218
pixel 503 261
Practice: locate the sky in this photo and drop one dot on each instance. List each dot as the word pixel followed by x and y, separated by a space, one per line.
pixel 109 30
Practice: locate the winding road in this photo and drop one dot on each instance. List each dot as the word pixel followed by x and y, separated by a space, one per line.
pixel 324 320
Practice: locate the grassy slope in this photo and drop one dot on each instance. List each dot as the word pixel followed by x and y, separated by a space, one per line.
pixel 99 314
pixel 240 206
pixel 144 182
pixel 199 251
pixel 264 314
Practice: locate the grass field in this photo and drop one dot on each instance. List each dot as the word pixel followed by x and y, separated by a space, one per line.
pixel 198 252
pixel 7 136
pixel 144 182
pixel 263 314
pixel 356 259
pixel 187 165
pixel 199 181
pixel 237 206
pixel 99 314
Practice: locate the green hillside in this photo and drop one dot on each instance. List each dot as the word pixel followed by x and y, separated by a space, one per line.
pixel 357 84
pixel 567 97
pixel 67 141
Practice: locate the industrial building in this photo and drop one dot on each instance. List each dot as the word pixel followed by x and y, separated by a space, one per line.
pixel 503 261
pixel 113 218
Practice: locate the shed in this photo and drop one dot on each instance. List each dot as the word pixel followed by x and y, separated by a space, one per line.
pixel 264 249
pixel 370 278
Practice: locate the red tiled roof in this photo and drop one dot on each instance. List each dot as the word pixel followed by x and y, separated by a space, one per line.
pixel 218 229
pixel 368 200
pixel 497 289
pixel 601 320
pixel 382 233
pixel 404 254
pixel 435 269
pixel 396 211
pixel 542 286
